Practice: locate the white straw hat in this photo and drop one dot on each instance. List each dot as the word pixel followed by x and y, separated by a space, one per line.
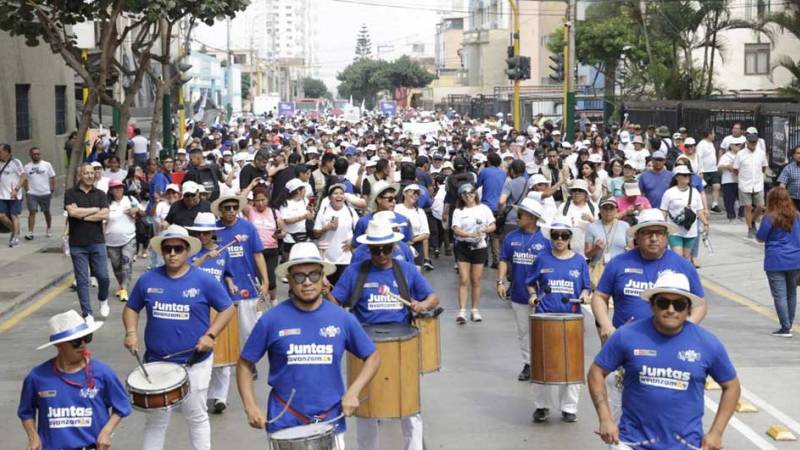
pixel 67 326
pixel 379 232
pixel 650 218
pixel 670 282
pixel 215 206
pixel 176 232
pixel 304 253
pixel 205 221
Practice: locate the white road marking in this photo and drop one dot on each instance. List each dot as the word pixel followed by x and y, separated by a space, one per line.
pixel 775 412
pixel 740 426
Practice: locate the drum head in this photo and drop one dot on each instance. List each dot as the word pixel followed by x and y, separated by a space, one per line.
pixel 557 316
pixel 390 332
pixel 303 431
pixel 163 375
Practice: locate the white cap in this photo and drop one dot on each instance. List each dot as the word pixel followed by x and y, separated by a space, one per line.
pixel 190 187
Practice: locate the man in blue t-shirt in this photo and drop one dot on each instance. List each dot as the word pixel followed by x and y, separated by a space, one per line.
pixel 367 282
pixel 178 299
pixel 72 400
pixel 519 251
pixel 653 183
pixel 305 339
pixel 666 359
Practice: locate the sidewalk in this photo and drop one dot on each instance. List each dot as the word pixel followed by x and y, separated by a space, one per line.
pixel 34 266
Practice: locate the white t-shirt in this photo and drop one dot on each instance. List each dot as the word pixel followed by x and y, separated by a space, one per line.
pixel 139 144
pixel 162 209
pixel 579 226
pixel 437 208
pixel 416 217
pixel 119 175
pixel 638 158
pixel 727 175
pixel 352 173
pixel 10 178
pixel 294 208
pixel 347 219
pixel 120 227
pixel 102 184
pixel 471 220
pixel 39 175
pixel 750 165
pixel 674 200
pixel 708 156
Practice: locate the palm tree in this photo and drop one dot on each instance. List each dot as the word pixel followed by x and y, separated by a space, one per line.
pixel 788 20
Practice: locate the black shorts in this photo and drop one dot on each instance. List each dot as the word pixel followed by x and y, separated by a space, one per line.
pixel 712 178
pixel 464 252
pixel 37 203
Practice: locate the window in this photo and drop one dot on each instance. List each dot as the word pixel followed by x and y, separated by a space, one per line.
pixel 23 112
pixel 240 59
pixel 61 109
pixel 756 59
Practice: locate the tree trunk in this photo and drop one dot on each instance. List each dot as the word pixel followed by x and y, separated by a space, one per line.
pixel 157 122
pixel 122 133
pixel 650 59
pixel 610 74
pixel 78 152
pixel 710 82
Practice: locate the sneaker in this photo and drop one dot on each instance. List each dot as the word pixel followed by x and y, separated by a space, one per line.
pixel 13 242
pixel 475 315
pixel 219 406
pixel 123 295
pixel 525 375
pixel 540 415
pixel 569 417
pixel 49 233
pixel 89 319
pixel 436 253
pixel 494 265
pixel 116 294
pixel 104 309
pixel 751 233
pixel 461 318
pixel 285 280
pixel 93 281
pixel 428 265
pixel 28 237
pixel 783 333
pixel 716 209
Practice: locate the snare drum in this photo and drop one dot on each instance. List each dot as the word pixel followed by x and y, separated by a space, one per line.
pixel 315 436
pixel 226 349
pixel 394 391
pixel 167 388
pixel 556 348
pixel 430 343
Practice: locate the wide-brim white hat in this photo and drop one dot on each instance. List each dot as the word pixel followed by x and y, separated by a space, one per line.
pixel 579 185
pixel 227 198
pixel 670 282
pixel 530 206
pixel 379 232
pixel 176 232
pixel 205 221
pixel 304 253
pixel 377 190
pixel 67 326
pixel 651 218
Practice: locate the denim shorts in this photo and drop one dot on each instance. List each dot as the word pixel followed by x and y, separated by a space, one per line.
pixel 11 207
pixel 680 241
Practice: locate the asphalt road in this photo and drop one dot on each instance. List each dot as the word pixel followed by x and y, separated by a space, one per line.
pixel 474 402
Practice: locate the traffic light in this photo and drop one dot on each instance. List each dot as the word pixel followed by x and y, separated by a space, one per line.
pixel 519 67
pixel 182 69
pixel 557 67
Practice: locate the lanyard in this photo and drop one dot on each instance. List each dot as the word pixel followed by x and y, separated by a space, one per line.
pixel 86 368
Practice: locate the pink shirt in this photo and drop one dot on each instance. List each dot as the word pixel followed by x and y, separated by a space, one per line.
pixel 265 224
pixel 623 202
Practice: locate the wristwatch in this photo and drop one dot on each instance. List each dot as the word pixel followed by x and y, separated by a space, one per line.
pixel 499 282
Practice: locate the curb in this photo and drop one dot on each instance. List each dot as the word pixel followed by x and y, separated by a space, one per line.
pixel 26 297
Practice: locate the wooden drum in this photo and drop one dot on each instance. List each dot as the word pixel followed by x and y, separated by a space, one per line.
pixel 226 349
pixel 430 343
pixel 556 348
pixel 394 391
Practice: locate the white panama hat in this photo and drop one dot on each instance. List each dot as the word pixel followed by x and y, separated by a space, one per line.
pixel 530 206
pixel 670 282
pixel 176 232
pixel 215 206
pixel 205 221
pixel 67 326
pixel 649 218
pixel 379 232
pixel 304 253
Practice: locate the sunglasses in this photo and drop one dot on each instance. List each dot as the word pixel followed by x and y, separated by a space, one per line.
pixel 469 193
pixel 189 195
pixel 169 249
pixel 230 208
pixel 417 193
pixel 301 277
pixel 388 198
pixel 76 343
pixel 678 305
pixel 563 236
pixel 383 249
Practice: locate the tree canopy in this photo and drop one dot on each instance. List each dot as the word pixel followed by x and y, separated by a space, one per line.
pixel 314 88
pixel 364 79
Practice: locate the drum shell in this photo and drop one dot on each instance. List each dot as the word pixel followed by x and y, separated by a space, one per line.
pixel 325 440
pixel 430 344
pixel 158 399
pixel 226 347
pixel 394 392
pixel 556 348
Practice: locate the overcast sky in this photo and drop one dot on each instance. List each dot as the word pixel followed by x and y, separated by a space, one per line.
pixel 340 20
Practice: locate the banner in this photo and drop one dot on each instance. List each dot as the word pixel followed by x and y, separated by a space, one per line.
pixel 388 108
pixel 286 109
pixel 780 139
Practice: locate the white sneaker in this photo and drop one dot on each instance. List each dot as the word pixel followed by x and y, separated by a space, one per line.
pixel 89 320
pixel 93 281
pixel 475 316
pixel 104 309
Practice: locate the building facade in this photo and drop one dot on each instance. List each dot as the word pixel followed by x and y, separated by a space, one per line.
pixel 37 102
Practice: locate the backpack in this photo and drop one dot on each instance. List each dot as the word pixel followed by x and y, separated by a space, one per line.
pixel 568 203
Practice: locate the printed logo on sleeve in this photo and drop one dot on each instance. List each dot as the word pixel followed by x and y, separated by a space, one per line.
pixel 644 352
pixel 47 394
pixel 309 354
pixel 69 417
pixel 171 311
pixel 289 332
pixel 666 378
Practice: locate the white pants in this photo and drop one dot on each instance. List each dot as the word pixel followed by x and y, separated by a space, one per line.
pixel 367 433
pixel 614 395
pixel 220 383
pixel 567 396
pixel 522 319
pixel 339 442
pixel 193 409
pixel 247 318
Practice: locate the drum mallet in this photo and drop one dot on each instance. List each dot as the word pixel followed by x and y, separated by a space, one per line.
pixel 141 366
pixel 384 290
pixel 236 239
pixel 575 301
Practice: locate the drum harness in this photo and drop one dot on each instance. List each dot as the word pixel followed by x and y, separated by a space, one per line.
pixel 402 285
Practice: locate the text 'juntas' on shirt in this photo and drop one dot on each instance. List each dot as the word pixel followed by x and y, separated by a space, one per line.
pixel 520 251
pixel 556 279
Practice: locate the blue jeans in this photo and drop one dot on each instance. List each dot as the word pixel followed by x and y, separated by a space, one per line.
pixel 83 257
pixel 783 286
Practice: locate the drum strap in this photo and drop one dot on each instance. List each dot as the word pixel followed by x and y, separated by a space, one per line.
pixel 402 284
pixel 300 416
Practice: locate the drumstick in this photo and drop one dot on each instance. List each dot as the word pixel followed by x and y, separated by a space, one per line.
pixel 236 239
pixel 182 352
pixel 384 290
pixel 644 443
pixel 566 299
pixel 141 366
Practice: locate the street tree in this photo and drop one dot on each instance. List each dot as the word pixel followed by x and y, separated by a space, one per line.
pixel 788 20
pixel 363 44
pixel 362 80
pixel 314 88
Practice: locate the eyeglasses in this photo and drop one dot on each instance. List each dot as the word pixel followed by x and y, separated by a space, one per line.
pixel 230 208
pixel 169 249
pixel 388 198
pixel 189 195
pixel 563 236
pixel 678 305
pixel 657 232
pixel 382 249
pixel 76 343
pixel 301 277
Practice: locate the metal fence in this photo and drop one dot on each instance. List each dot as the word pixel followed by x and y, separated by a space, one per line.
pixel 777 123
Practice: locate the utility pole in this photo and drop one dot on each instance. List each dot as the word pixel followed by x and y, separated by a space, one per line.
pixel 515 39
pixel 570 71
pixel 166 112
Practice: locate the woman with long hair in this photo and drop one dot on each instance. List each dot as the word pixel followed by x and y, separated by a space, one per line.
pixel 472 221
pixel 270 228
pixel 780 233
pixel 587 172
pixel 120 234
pixel 679 203
pixel 334 228
pixel 616 178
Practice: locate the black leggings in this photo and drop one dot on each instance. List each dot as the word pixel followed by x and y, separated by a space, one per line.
pixel 271 256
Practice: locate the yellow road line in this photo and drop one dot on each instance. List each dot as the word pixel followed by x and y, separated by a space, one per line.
pixel 33 307
pixel 736 298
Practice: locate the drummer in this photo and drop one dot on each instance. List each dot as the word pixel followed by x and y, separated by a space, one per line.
pixel 558 280
pixel 401 251
pixel 216 263
pixel 518 253
pixel 178 299
pixel 305 339
pixel 72 400
pixel 359 288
